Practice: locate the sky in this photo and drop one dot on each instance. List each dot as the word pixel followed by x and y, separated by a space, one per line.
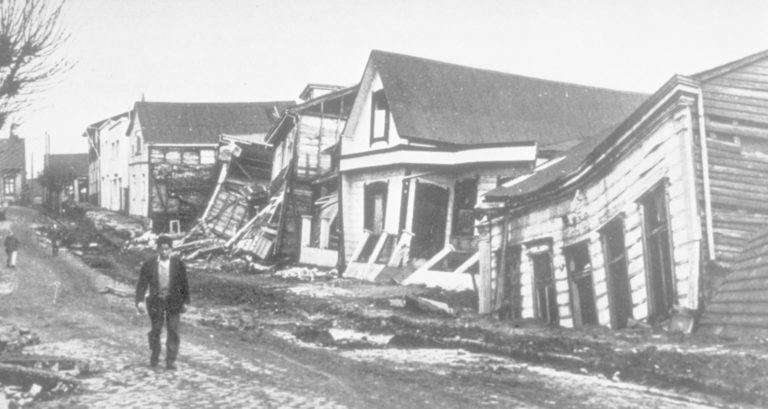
pixel 263 50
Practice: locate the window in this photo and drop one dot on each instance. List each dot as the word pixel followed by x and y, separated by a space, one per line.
pixel 579 268
pixel 9 185
pixel 207 156
pixel 173 157
pixel 658 254
pixel 379 117
pixel 465 195
pixel 138 144
pixel 375 206
pixel 619 294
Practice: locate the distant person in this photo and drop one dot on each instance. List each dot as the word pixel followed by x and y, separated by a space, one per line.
pixel 166 278
pixel 54 235
pixel 11 250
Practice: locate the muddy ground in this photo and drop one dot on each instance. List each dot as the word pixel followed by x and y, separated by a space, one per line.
pixel 228 295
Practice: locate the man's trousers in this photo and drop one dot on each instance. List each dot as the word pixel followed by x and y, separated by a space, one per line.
pixel 159 313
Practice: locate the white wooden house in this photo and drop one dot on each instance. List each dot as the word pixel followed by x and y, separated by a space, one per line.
pixel 633 222
pixel 425 141
pixel 108 153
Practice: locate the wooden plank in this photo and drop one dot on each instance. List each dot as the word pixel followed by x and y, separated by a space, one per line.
pixel 732 106
pixel 748 76
pixel 736 115
pixel 740 83
pixel 748 93
pixel 717 96
pixel 469 263
pixel 741 130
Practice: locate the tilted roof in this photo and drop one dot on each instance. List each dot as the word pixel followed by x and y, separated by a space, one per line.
pixel 12 154
pixel 77 163
pixel 203 122
pixel 453 104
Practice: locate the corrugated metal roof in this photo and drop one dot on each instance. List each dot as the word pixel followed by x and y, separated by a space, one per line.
pixel 77 163
pixel 202 122
pixel 12 154
pixel 447 103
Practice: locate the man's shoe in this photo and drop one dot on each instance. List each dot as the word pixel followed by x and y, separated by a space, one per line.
pixel 153 361
pixel 171 366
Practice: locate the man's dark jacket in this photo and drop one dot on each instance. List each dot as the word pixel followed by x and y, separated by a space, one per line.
pixel 178 287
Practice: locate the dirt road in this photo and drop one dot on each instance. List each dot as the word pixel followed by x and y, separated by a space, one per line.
pixel 59 298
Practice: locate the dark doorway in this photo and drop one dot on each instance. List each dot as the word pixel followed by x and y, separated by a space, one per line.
pixel 545 294
pixel 430 210
pixel 375 206
pixel 579 267
pixel 619 293
pixel 658 260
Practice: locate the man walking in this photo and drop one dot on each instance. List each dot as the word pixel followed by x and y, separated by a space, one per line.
pixel 11 250
pixel 166 278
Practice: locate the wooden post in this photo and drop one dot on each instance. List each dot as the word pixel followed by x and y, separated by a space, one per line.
pixel 306 230
pixel 484 256
pixel 325 232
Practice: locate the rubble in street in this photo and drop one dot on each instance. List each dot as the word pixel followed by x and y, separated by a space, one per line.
pixel 27 377
pixel 311 304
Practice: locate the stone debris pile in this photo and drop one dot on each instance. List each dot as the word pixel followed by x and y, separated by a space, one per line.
pixel 306 274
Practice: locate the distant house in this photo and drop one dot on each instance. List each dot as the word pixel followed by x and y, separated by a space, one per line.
pixel 12 169
pixel 172 163
pixel 425 141
pixel 64 179
pixel 108 153
pixel 637 222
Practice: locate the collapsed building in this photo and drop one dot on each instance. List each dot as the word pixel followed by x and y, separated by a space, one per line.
pixel 267 188
pixel 172 163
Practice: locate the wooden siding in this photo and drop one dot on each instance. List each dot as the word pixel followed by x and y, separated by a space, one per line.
pixel 661 152
pixel 315 135
pixel 740 306
pixel 736 114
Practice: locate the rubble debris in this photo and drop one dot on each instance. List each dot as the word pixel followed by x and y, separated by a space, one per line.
pixel 426 305
pixel 26 377
pixel 13 339
pixel 306 273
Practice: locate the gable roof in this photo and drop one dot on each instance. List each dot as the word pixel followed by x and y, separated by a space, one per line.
pixel 439 102
pixel 90 129
pixel 202 122
pixel 730 66
pixel 77 163
pixel 738 306
pixel 12 154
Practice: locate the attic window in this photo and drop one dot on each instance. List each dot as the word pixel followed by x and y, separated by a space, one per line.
pixel 379 117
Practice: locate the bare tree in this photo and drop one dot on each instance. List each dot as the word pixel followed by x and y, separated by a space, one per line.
pixel 30 35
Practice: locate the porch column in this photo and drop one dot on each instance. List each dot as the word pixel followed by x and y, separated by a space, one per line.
pixel 484 255
pixel 306 230
pixel 325 232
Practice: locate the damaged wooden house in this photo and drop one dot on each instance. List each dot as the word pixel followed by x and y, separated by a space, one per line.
pixel 293 215
pixel 637 223
pixel 172 164
pixel 426 140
